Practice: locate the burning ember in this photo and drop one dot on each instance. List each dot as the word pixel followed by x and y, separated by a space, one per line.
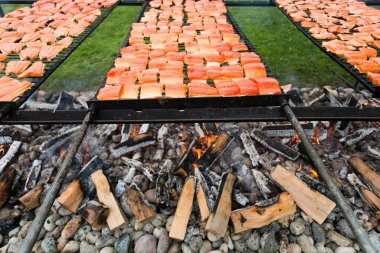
pixel 314 137
pixel 313 173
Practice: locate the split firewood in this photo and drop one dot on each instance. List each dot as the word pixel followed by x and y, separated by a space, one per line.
pixel 315 204
pixel 202 192
pixel 31 199
pixel 257 217
pixel 139 205
pixel 6 181
pixel 72 196
pixel 183 211
pixel 11 153
pixel 365 194
pixel 369 175
pixel 95 213
pixel 116 217
pixel 371 197
pixel 218 222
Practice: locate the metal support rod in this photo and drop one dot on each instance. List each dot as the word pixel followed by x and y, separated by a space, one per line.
pixel 48 201
pixel 361 236
pixel 1 12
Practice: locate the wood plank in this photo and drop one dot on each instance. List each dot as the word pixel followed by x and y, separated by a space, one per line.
pixel 140 208
pixel 116 217
pixel 72 196
pixel 31 199
pixel 219 222
pixel 315 204
pixel 202 203
pixel 369 175
pixel 183 211
pixel 371 198
pixel 257 217
pixel 95 213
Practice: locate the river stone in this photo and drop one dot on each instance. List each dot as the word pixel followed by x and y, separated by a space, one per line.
pixel 104 241
pixel 240 246
pixel 125 205
pixel 71 247
pixel 158 231
pixel 15 246
pixel 107 250
pixel 137 235
pixel 174 248
pixel 195 243
pixel 159 220
pixel 82 233
pixel 85 247
pixel 185 248
pixel 253 241
pixel 93 236
pixel 339 239
pixel 14 232
pixel 375 239
pixel 320 248
pixel 62 221
pixel 49 224
pixel 212 237
pixel 268 242
pixel 343 228
pixel 106 231
pixel 344 250
pixel 319 234
pixel 71 227
pixel 146 244
pixel 224 248
pixel 56 233
pixel 169 223
pixel 24 230
pixel 294 248
pixel 306 244
pixel 49 245
pixel 122 244
pixel 61 243
pixel 150 195
pixel 297 227
pixel 206 247
pixel 148 228
pixel 164 242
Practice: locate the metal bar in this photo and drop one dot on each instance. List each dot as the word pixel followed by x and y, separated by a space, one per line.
pixel 363 79
pixel 131 3
pixel 39 220
pixel 1 12
pixel 17 1
pixel 325 174
pixel 8 107
pixel 250 3
pixel 257 114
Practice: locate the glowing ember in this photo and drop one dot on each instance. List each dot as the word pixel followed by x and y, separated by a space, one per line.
pixel 62 152
pixel 197 151
pixel 314 138
pixel 2 150
pixel 294 139
pixel 299 167
pixel 313 173
pixel 375 123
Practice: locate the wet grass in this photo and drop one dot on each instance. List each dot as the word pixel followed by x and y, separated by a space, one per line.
pixel 289 54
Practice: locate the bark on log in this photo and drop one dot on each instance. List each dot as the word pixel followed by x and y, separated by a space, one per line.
pixel 257 217
pixel 139 205
pixel 316 205
pixel 95 213
pixel 369 175
pixel 6 182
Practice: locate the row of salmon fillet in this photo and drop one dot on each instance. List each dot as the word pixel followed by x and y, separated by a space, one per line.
pixel 348 28
pixel 41 32
pixel 186 49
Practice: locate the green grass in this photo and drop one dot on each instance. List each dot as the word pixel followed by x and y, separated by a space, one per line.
pixel 289 54
pixel 10 7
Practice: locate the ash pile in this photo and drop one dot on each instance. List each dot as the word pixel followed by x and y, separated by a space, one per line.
pixel 231 187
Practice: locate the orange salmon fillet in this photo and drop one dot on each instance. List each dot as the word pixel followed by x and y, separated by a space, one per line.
pixel 171 77
pixel 130 92
pixel 196 72
pixel 16 67
pixel 109 93
pixel 199 89
pixel 254 70
pixel 29 53
pixel 175 90
pixel 36 70
pixel 247 86
pixel 227 88
pixel 151 90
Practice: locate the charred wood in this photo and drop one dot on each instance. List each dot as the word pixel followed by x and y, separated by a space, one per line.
pixel 7 177
pixel 94 213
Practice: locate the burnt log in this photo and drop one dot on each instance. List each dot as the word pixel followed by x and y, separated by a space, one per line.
pixel 94 213
pixel 162 187
pixel 6 182
pixel 141 208
pixel 134 143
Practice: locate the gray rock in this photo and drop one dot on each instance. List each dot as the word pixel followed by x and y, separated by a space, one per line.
pixel 150 195
pixel 224 248
pixel 146 244
pixel 164 242
pixel 71 247
pixel 71 227
pixel 137 235
pixel 56 233
pixel 343 228
pixel 269 243
pixel 319 234
pixel 49 245
pixel 15 246
pixel 253 241
pixel 159 220
pixel 306 244
pixel 174 248
pixel 106 231
pixel 49 224
pixel 169 223
pixel 104 241
pixel 107 250
pixel 61 243
pixel 375 239
pixel 93 236
pixel 195 243
pixel 185 248
pixel 157 231
pixel 23 231
pixel 125 205
pixel 63 211
pixel 1 239
pixel 345 250
pixel 122 244
pixel 206 247
pixel 297 227
pixel 212 237
pixel 217 243
pixel 62 221
pixel 14 232
pixel 148 228
pixel 339 239
pixel 294 248
pixel 240 246
pixel 85 247
pixel 82 233
pixel 320 248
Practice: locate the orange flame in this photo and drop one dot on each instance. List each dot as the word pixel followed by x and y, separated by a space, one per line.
pixel 314 138
pixel 62 152
pixel 197 151
pixel 313 173
pixel 294 139
pixel 2 149
pixel 299 168
pixel 375 124
pixel 183 149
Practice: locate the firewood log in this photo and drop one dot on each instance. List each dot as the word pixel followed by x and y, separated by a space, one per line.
pixel 95 213
pixel 139 205
pixel 31 199
pixel 6 181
